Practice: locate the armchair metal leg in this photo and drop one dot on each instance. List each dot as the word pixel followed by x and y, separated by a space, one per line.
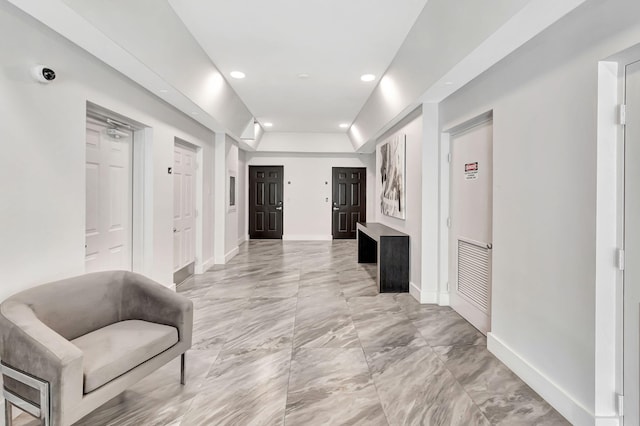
pixel 42 411
pixel 8 421
pixel 182 368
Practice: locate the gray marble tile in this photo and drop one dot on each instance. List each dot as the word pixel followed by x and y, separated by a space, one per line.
pixel 286 288
pixel 159 399
pixel 324 322
pixel 332 387
pixel 244 387
pixel 416 389
pixel 501 395
pixel 265 323
pixel 377 330
pixel 442 326
pixel 320 289
pixel 326 305
pixel 232 290
pixel 214 319
pixel 380 303
pixel 358 289
pixel 318 277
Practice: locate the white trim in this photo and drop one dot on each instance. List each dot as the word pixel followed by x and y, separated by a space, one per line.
pixel 445 299
pixel 609 211
pixel 607 421
pixel 207 264
pixel 242 239
pixel 560 399
pixel 443 231
pixel 173 287
pixel 231 254
pixel 294 237
pixel 414 290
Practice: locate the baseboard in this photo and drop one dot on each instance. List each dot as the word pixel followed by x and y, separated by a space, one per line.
pixel 231 254
pixel 294 237
pixel 242 239
pixel 415 291
pixel 556 396
pixel 444 299
pixel 207 264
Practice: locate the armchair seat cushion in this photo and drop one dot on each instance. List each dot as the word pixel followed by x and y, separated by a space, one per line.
pixel 111 351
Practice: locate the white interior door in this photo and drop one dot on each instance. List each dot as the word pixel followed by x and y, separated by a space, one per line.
pixel 108 198
pixel 470 235
pixel 184 206
pixel 631 341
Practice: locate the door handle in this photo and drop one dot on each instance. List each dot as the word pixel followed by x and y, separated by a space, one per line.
pixel 279 208
pixel 175 230
pixel 335 209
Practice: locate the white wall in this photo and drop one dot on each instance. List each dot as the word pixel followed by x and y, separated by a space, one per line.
pixel 441 37
pixel 305 142
pixel 412 224
pixel 307 189
pixel 153 33
pixel 42 166
pixel 543 99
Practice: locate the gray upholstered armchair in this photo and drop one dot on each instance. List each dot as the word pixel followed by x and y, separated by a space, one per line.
pixel 69 346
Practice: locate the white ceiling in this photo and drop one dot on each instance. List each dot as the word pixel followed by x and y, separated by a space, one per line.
pixel 272 42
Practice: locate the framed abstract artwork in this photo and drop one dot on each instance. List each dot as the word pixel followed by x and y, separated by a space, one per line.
pixel 392 162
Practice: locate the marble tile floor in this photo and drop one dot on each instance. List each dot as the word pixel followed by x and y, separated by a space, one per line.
pixel 295 333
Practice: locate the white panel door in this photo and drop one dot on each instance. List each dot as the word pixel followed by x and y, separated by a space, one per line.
pixel 470 235
pixel 632 248
pixel 184 206
pixel 108 199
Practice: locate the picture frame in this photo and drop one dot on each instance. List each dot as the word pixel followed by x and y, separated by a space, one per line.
pixel 392 162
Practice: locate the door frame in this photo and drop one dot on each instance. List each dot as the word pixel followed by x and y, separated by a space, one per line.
pixel 363 191
pixel 250 203
pixel 445 208
pixel 198 266
pixel 142 178
pixel 609 280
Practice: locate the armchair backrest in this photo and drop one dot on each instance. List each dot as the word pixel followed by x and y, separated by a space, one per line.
pixel 76 306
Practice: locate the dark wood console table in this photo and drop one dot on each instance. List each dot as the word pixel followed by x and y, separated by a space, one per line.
pixel 388 248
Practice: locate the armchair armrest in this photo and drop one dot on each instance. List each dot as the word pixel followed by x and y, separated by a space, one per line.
pixel 147 300
pixel 28 345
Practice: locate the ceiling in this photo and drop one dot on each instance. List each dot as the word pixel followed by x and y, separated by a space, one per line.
pixel 334 42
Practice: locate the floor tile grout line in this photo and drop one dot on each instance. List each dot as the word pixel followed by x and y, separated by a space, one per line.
pixel 375 386
pixel 444 364
pixel 293 336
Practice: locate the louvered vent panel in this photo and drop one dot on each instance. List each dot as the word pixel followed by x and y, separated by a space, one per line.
pixel 473 273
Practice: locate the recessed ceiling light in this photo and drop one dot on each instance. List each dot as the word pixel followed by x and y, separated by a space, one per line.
pixel 344 125
pixel 267 124
pixel 237 74
pixel 303 75
pixel 367 77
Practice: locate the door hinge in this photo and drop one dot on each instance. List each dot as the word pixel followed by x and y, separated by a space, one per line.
pixel 448 222
pixel 620 259
pixel 447 285
pixel 195 213
pixel 449 158
pixel 622 115
pixel 620 403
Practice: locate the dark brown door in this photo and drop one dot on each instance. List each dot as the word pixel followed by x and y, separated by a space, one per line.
pixel 349 200
pixel 265 201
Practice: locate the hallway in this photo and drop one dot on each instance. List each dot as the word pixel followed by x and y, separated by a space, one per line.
pixel 294 333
